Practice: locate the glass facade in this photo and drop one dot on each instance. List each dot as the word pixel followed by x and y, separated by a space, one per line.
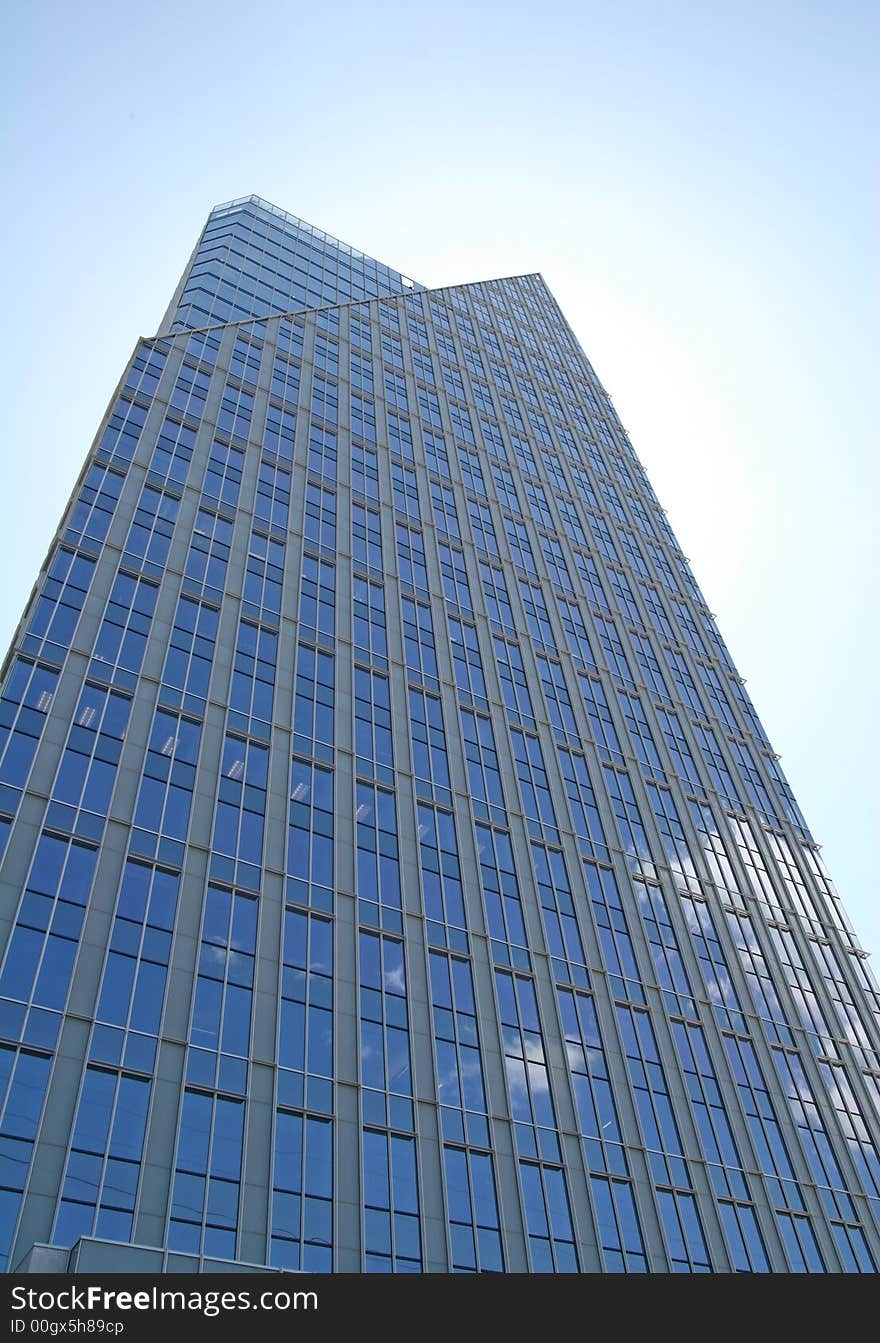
pixel 395 873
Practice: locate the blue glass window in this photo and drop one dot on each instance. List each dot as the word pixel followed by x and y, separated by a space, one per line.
pixel 548 1219
pixel 132 992
pixel 582 804
pixel 378 865
pixel 474 1226
pixel 428 739
pixel 484 774
pixel 366 538
pixel 534 785
pixel 87 770
pixel 561 929
pixel 319 524
pixel 514 682
pixel 236 409
pixel 252 691
pixel 209 554
pixel 392 1238
pixel 120 438
pixel 122 635
pixel 172 454
pixel 55 616
pixel 92 513
pixel 23 1080
pixel 317 599
pixel 537 615
pixel 418 643
pixel 368 620
pixel 314 700
pixel 302 1194
pixel 364 472
pixel 222 481
pixel 372 725
pixel 27 698
pixel 441 879
pixel 272 499
pixel 149 536
pixel 190 653
pixel 264 576
pixel 41 951
pixel 207 1175
pixel 104 1162
pixel 305 1028
pixel 240 815
pixel 310 835
pixel 467 662
pixel 456 587
pixel 165 794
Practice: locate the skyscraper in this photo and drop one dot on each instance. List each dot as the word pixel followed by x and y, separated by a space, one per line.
pixel 395 872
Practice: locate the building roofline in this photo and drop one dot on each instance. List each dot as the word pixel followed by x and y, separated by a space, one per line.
pixel 226 207
pixel 349 303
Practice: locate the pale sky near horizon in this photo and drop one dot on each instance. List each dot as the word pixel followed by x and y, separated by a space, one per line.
pixel 695 181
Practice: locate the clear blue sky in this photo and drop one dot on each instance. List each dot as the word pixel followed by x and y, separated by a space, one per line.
pixel 694 180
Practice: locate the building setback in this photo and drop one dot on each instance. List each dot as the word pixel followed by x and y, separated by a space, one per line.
pixel 395 872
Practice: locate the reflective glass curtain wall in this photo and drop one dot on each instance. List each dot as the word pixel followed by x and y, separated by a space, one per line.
pixel 396 875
